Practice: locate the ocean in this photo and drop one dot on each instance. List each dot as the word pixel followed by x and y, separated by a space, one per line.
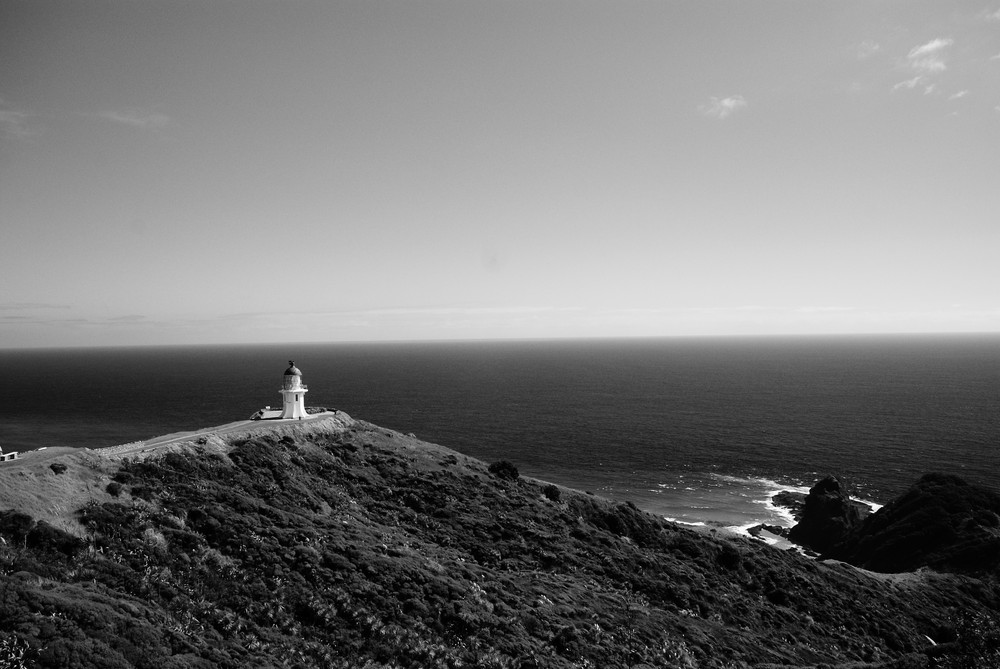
pixel 700 430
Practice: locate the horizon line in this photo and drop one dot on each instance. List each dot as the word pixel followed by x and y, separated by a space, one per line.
pixel 486 340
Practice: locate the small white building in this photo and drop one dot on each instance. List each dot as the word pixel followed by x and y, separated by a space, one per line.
pixel 293 392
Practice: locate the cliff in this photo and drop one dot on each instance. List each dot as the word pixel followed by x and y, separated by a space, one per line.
pixel 343 544
pixel 941 522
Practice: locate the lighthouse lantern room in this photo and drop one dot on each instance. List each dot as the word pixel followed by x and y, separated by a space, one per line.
pixel 294 392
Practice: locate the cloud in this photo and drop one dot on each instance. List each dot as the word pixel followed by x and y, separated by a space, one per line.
pixel 12 306
pixel 440 311
pixel 991 16
pixel 13 123
pixel 909 83
pixel 867 49
pixel 929 58
pixel 824 310
pixel 959 95
pixel 721 108
pixel 934 46
pixel 925 61
pixel 137 118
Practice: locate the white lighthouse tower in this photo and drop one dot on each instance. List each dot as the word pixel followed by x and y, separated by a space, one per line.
pixel 293 392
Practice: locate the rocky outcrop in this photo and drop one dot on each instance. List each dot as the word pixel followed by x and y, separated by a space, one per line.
pixel 828 516
pixel 941 522
pixel 793 501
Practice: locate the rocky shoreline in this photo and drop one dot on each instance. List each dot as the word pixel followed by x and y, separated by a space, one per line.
pixel 795 503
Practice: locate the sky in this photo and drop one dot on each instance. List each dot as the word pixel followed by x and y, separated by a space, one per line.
pixel 239 171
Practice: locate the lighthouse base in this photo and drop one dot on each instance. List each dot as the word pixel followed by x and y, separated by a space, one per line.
pixel 295 404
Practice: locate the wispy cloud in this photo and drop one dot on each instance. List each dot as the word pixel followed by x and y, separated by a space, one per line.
pixel 923 83
pixel 926 62
pixel 991 16
pixel 959 95
pixel 722 108
pixel 909 83
pixel 13 123
pixel 867 49
pixel 15 306
pixel 929 58
pixel 137 118
pixel 438 311
pixel 825 310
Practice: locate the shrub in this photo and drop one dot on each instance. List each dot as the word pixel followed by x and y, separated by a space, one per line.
pixel 58 467
pixel 776 595
pixel 142 492
pixel 729 557
pixel 114 488
pixel 978 643
pixel 47 537
pixel 503 469
pixel 551 492
pixel 13 652
pixel 15 525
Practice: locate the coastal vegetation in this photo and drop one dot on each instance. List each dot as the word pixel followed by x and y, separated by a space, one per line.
pixel 363 547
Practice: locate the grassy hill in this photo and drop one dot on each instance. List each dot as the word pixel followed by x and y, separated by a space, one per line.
pixel 343 544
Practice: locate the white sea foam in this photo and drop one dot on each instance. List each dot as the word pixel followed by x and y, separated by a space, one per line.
pixel 874 505
pixel 735 503
pixel 685 522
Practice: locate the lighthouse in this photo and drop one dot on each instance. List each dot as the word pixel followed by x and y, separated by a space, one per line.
pixel 293 392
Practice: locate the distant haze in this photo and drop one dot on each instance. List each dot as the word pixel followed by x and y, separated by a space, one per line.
pixel 246 171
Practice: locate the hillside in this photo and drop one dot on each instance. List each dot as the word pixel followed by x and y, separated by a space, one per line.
pixel 342 544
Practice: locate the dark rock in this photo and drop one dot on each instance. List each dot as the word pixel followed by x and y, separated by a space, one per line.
pixel 776 530
pixel 942 522
pixel 828 516
pixel 793 501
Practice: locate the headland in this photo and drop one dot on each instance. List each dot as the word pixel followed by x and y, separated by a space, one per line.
pixel 332 542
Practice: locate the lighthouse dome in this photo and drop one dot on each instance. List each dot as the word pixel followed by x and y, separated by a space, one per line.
pixel 292 380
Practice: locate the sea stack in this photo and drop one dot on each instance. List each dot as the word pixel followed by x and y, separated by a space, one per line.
pixel 293 392
pixel 828 516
